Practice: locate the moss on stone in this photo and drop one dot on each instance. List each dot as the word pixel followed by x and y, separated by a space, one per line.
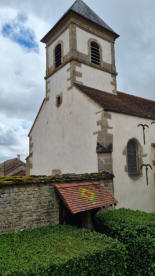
pixel 33 179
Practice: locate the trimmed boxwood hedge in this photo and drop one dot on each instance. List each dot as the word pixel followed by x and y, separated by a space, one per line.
pixel 61 250
pixel 136 230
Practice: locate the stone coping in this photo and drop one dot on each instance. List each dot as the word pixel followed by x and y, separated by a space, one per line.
pixel 64 178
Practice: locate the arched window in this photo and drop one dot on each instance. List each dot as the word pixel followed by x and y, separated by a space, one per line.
pixel 95 53
pixel 58 55
pixel 132 157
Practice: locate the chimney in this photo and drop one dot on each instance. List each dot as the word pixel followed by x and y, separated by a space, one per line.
pixel 18 156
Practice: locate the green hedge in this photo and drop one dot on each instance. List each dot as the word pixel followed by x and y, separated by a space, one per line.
pixel 136 230
pixel 61 250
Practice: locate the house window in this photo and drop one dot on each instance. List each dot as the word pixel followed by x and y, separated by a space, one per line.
pixel 95 53
pixel 58 100
pixel 132 158
pixel 58 55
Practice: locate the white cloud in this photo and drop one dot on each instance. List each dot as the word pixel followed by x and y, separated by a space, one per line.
pixel 22 88
pixel 13 138
pixel 22 84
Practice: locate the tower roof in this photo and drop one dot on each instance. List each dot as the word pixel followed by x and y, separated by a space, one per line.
pixel 80 8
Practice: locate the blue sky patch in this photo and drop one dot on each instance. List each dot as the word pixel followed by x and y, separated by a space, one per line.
pixel 16 31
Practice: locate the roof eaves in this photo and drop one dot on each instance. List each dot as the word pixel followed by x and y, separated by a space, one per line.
pixel 136 97
pixel 85 11
pixel 44 39
pixel 111 31
pixel 37 115
pixel 130 113
pixel 71 9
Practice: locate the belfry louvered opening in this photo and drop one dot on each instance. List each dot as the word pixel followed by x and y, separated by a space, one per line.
pixel 95 53
pixel 58 55
pixel 132 157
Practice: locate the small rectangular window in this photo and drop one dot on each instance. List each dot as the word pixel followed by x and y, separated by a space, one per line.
pixel 58 100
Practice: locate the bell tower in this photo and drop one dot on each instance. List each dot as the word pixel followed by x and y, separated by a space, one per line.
pixel 82 43
pixel 79 52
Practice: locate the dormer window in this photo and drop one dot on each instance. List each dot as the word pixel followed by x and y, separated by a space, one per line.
pixel 95 53
pixel 58 55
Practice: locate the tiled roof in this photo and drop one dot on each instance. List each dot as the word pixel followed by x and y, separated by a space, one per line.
pixel 83 10
pixel 7 161
pixel 11 165
pixel 121 103
pixel 80 8
pixel 79 197
pixel 14 167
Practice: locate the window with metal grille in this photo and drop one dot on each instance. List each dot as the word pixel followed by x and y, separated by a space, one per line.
pixel 95 53
pixel 58 55
pixel 132 157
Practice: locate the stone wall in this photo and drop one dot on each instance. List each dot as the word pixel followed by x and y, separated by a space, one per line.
pixel 32 201
pixel 27 206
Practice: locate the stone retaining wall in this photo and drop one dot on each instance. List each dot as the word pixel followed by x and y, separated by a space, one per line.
pixel 27 206
pixel 31 201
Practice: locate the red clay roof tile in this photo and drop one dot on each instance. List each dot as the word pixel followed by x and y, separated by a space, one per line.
pixel 79 197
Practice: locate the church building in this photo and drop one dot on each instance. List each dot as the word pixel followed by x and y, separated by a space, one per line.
pixel 84 124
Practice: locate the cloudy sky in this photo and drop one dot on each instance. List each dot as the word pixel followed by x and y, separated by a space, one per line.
pixel 22 58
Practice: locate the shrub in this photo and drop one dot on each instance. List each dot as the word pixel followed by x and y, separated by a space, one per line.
pixel 136 230
pixel 61 250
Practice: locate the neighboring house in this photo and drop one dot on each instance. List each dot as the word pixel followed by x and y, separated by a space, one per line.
pixel 84 124
pixel 13 167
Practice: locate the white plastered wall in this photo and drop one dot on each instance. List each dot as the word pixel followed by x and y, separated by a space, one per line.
pixel 96 78
pixel 130 193
pixel 64 37
pixel 82 44
pixel 63 137
pixel 92 77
